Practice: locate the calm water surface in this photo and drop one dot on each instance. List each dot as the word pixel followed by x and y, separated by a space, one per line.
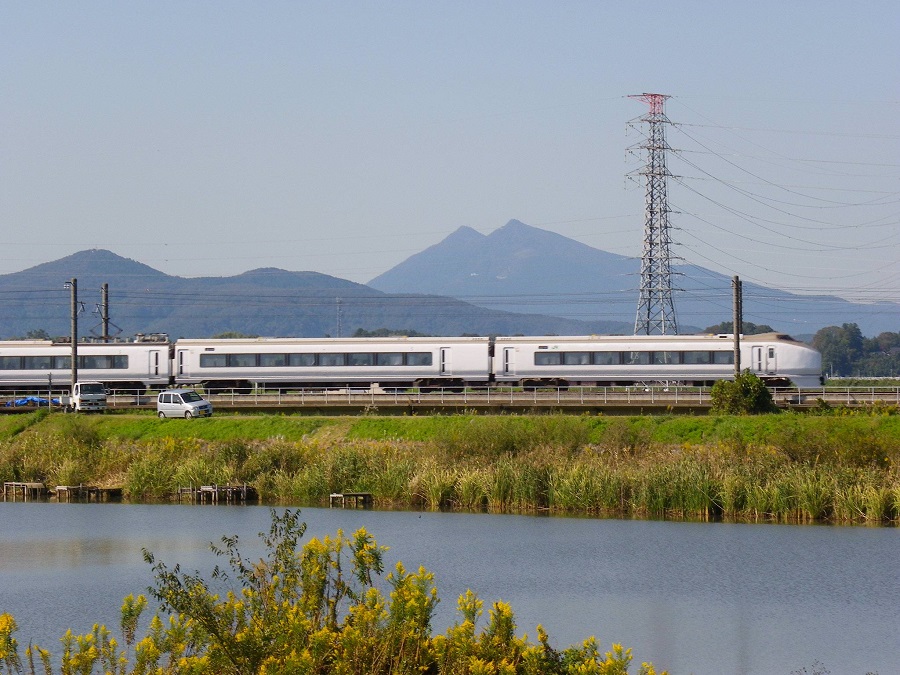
pixel 691 597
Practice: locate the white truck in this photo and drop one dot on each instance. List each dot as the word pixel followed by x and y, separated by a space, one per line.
pixel 86 397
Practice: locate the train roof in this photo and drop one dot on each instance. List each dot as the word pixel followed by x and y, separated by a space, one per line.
pixel 55 344
pixel 64 340
pixel 343 340
pixel 706 337
pixel 767 337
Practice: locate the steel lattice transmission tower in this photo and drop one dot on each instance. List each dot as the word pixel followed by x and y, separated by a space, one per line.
pixel 656 310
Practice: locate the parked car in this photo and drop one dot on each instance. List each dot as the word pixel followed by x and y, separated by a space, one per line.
pixel 185 403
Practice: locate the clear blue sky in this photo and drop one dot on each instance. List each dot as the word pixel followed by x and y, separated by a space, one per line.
pixel 210 138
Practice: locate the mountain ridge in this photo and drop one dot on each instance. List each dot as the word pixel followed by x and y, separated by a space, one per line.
pixel 518 279
pixel 266 301
pixel 519 267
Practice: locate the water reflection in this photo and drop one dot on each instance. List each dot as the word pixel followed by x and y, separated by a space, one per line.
pixel 692 597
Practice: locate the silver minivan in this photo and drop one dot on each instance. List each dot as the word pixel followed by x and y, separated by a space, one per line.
pixel 185 403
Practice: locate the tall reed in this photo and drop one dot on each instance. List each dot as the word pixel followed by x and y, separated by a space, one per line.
pixel 589 488
pixel 472 488
pixel 433 486
pixel 684 467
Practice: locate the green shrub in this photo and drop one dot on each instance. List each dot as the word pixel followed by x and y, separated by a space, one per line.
pixel 626 434
pixel 745 395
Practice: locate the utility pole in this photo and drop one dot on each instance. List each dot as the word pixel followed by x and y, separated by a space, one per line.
pixel 656 310
pixel 338 302
pixel 737 321
pixel 104 312
pixel 73 287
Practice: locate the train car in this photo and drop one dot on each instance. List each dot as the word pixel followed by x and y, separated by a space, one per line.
pixel 39 365
pixel 289 363
pixel 401 362
pixel 777 359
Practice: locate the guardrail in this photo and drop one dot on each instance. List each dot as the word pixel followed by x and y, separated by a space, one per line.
pixel 634 395
pixel 650 396
pixel 481 396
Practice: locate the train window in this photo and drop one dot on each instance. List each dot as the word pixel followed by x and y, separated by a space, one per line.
pixel 665 358
pixel 547 358
pixel 213 361
pixel 696 357
pixel 242 360
pixel 93 362
pixel 606 358
pixel 62 362
pixel 389 359
pixel 302 360
pixel 331 359
pixel 577 358
pixel 102 361
pixel 418 359
pixel 37 362
pixel 638 358
pixel 10 363
pixel 273 360
pixel 360 359
pixel 723 357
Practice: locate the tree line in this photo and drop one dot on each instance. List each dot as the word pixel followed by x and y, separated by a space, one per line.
pixel 847 353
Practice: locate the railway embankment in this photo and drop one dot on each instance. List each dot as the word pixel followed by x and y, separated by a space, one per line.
pixel 781 467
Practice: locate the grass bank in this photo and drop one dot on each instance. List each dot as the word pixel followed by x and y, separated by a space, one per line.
pixel 778 467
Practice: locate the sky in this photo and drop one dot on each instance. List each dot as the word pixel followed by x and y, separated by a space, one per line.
pixel 212 138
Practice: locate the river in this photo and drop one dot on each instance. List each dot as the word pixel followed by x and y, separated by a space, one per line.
pixel 690 597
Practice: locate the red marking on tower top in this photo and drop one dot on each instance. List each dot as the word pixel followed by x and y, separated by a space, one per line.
pixel 655 101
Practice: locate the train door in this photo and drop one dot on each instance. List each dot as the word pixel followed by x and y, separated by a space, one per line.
pixel 756 360
pixel 764 360
pixel 154 362
pixel 771 365
pixel 446 367
pixel 180 367
pixel 509 361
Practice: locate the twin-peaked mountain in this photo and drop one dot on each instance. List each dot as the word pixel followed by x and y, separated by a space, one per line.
pixel 526 269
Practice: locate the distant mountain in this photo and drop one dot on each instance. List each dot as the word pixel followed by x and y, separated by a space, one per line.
pixel 514 267
pixel 526 269
pixel 516 280
pixel 267 302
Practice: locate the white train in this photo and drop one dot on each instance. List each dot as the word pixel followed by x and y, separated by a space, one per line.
pixel 776 358
pixel 39 365
pixel 332 362
pixel 289 363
